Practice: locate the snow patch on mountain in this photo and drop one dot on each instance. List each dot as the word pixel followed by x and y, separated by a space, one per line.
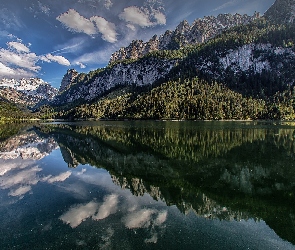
pixel 27 91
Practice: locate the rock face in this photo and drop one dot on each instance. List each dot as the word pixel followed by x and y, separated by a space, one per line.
pixel 143 72
pixel 200 31
pixel 68 80
pixel 28 92
pixel 282 11
pixel 250 59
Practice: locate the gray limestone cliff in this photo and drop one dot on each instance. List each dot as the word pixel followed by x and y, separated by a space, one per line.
pixel 68 80
pixel 282 11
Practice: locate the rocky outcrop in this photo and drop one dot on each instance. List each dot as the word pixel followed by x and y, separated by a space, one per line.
pixel 200 31
pixel 68 80
pixel 282 11
pixel 143 72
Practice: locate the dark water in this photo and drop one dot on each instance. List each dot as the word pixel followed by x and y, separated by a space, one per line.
pixel 147 185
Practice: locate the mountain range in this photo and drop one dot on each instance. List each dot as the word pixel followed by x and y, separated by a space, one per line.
pixel 224 67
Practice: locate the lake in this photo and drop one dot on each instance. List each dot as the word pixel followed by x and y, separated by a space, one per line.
pixel 147 185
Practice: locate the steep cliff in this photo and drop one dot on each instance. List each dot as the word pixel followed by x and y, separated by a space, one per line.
pixel 68 80
pixel 282 11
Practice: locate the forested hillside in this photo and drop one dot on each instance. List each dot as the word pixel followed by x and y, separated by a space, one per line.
pixel 246 72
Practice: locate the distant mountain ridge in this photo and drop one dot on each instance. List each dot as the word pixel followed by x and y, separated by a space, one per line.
pixel 28 92
pixel 201 30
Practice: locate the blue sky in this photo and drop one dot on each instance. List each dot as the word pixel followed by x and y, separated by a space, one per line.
pixel 44 38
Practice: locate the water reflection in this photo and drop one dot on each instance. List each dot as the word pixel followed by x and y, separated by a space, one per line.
pixel 226 171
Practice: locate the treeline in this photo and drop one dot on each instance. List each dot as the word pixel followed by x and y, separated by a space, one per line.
pixel 191 99
pixel 10 111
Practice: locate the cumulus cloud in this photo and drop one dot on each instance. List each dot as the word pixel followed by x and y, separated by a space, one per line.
pixel 20 191
pixel 78 213
pixel 74 22
pixel 139 219
pixel 24 177
pixel 81 65
pixel 6 71
pixel 61 177
pixel 22 60
pixel 19 46
pixel 59 59
pixel 107 29
pixel 18 176
pixel 131 26
pixel 135 15
pixel 144 17
pixel 18 62
pixel 160 17
pixel 107 208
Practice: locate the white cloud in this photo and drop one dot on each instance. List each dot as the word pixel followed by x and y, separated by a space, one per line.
pixel 79 213
pixel 71 46
pixel 131 26
pixel 20 191
pixel 19 46
pixel 21 182
pixel 81 65
pixel 8 165
pixel 134 15
pixel 59 59
pixel 160 17
pixel 162 217
pixel 60 178
pixel 108 4
pixel 22 60
pixel 139 219
pixel 144 17
pixel 18 62
pixel 107 208
pixel 6 71
pixel 73 21
pixel 107 29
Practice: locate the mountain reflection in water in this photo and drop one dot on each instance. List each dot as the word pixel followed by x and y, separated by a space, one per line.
pixel 230 171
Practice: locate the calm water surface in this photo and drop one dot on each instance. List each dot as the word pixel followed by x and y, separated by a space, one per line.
pixel 147 185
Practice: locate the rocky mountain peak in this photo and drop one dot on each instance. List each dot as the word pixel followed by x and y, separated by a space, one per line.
pixel 183 27
pixel 200 31
pixel 282 11
pixel 27 92
pixel 68 80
